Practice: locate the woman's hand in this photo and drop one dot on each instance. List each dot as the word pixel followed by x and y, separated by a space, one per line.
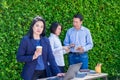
pixel 36 54
pixel 66 48
pixel 60 74
pixel 80 49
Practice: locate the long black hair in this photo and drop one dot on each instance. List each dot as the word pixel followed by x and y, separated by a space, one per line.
pixel 36 19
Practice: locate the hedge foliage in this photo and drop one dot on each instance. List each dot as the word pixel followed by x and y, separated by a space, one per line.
pixel 102 17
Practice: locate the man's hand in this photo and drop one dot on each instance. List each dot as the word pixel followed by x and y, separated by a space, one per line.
pixel 72 45
pixel 80 49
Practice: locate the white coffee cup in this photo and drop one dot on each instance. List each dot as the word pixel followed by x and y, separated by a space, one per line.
pixel 39 49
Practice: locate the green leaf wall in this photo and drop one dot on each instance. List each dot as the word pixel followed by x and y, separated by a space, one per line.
pixel 102 17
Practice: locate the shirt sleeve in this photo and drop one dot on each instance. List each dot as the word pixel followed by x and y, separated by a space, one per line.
pixel 52 43
pixel 64 52
pixel 89 42
pixel 67 39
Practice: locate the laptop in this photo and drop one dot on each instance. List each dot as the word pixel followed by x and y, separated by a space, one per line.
pixel 72 70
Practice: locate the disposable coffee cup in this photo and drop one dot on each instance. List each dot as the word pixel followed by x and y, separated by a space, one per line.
pixel 39 49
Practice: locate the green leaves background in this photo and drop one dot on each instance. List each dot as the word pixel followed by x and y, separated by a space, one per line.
pixel 100 16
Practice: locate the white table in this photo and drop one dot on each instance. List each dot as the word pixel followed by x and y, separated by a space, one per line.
pixel 89 77
pixel 93 76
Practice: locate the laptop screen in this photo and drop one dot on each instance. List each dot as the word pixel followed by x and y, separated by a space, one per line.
pixel 72 70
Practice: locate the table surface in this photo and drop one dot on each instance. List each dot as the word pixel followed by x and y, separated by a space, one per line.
pixel 89 76
pixel 92 76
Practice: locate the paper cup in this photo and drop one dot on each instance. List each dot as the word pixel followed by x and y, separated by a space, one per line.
pixel 39 48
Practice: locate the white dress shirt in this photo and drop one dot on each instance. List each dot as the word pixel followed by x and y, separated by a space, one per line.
pixel 57 49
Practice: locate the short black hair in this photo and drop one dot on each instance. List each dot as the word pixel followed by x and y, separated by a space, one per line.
pixel 54 26
pixel 36 19
pixel 78 15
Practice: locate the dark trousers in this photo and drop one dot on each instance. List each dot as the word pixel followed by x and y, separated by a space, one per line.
pixel 39 74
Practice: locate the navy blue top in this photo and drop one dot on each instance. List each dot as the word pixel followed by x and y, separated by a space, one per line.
pixel 40 64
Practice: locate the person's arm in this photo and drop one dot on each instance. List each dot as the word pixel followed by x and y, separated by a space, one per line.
pixel 52 43
pixel 51 59
pixel 67 39
pixel 66 49
pixel 21 54
pixel 89 42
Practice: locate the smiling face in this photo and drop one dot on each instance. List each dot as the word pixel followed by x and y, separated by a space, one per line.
pixel 58 30
pixel 38 28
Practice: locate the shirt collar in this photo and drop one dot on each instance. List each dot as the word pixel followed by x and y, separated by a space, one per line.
pixel 51 34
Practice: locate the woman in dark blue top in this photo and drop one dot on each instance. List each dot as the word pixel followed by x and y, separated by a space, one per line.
pixel 36 63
